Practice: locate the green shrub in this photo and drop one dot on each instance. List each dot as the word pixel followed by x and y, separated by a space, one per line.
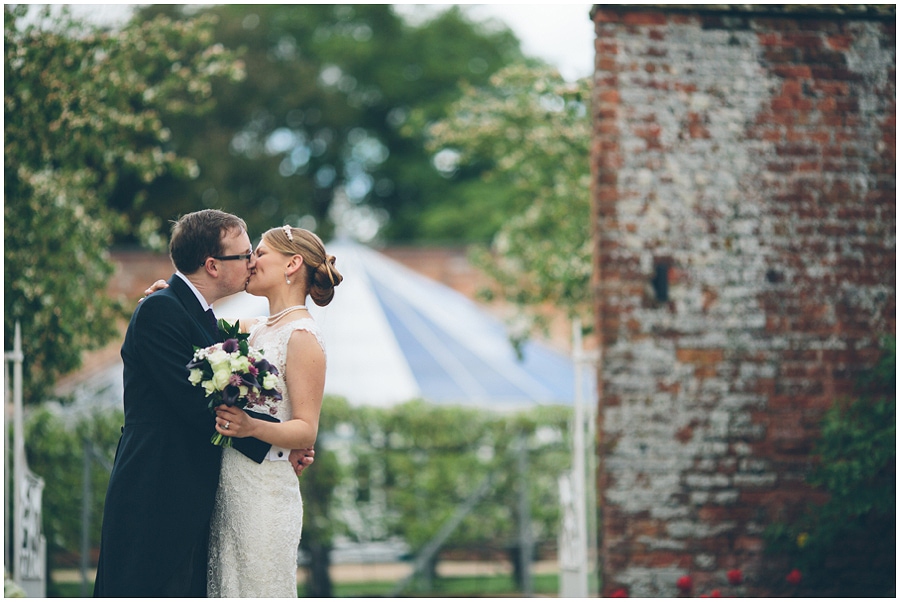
pixel 54 447
pixel 846 546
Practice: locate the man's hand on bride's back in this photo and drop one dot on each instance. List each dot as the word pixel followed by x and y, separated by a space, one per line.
pixel 156 286
pixel 301 458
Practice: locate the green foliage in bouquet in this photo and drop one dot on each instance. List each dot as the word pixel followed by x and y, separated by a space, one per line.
pixel 234 374
pixel 229 330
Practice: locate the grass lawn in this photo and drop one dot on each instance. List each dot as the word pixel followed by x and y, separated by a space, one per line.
pixel 462 587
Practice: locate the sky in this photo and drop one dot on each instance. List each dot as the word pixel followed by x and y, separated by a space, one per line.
pixel 561 34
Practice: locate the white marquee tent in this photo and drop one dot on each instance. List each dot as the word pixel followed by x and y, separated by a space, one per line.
pixel 393 335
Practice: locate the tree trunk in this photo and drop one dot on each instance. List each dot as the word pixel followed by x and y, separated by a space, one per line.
pixel 318 584
pixel 515 558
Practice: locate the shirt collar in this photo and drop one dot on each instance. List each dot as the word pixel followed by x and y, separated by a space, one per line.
pixel 194 290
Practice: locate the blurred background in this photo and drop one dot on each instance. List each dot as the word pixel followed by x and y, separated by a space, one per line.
pixel 443 149
pixel 744 186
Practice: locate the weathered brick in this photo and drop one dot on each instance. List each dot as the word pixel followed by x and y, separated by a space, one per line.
pixel 644 18
pixel 756 156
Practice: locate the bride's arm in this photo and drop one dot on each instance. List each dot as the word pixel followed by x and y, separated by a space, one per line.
pixel 305 380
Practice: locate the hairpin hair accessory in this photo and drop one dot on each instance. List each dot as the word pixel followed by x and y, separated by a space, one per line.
pixel 287 231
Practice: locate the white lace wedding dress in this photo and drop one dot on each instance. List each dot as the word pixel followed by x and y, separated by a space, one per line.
pixel 258 516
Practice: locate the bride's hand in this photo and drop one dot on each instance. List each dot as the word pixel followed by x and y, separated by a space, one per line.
pixel 301 458
pixel 156 286
pixel 234 422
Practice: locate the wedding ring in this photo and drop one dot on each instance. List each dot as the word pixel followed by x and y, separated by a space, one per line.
pixel 227 424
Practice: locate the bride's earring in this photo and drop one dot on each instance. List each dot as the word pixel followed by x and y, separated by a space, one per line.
pixel 288 280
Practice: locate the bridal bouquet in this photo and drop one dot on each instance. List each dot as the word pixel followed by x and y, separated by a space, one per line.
pixel 233 373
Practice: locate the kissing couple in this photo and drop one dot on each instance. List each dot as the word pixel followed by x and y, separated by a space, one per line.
pixel 184 517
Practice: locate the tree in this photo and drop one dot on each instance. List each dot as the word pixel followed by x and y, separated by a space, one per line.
pixel 318 118
pixel 527 132
pixel 82 111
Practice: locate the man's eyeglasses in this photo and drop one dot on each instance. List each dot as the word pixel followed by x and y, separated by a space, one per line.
pixel 244 256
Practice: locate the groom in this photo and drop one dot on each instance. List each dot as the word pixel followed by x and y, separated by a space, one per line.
pixel 163 483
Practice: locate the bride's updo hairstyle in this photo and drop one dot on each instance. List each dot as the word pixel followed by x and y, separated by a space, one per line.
pixel 322 276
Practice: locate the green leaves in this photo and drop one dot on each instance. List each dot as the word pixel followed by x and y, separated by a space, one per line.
pixel 55 444
pixel 233 331
pixel 319 115
pixel 528 131
pixel 379 473
pixel 229 330
pixel 846 545
pixel 82 112
pixel 857 449
pixel 407 468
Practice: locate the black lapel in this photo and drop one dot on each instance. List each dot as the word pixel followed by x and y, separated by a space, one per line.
pixel 184 294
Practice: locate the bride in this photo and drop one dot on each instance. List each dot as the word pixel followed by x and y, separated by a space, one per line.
pixel 258 516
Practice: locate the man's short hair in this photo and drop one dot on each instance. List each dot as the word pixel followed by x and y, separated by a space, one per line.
pixel 198 235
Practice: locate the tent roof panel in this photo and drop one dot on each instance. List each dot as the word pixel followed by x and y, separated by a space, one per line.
pixel 392 335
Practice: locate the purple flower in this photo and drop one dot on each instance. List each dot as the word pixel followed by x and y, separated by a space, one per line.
pixel 230 395
pixel 249 380
pixel 242 389
pixel 263 365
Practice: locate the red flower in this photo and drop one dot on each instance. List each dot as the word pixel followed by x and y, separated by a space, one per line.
pixel 735 577
pixel 794 577
pixel 619 593
pixel 684 583
pixel 715 594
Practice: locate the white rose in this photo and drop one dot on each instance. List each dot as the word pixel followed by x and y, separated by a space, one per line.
pixel 270 381
pixel 196 376
pixel 217 358
pixel 240 363
pixel 221 376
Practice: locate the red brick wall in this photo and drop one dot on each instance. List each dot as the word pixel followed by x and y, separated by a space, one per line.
pixel 136 270
pixel 749 161
pixel 448 265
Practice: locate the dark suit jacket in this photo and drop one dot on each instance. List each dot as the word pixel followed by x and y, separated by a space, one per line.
pixel 163 483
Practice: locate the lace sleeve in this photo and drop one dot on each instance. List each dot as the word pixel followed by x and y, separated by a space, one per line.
pixel 309 326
